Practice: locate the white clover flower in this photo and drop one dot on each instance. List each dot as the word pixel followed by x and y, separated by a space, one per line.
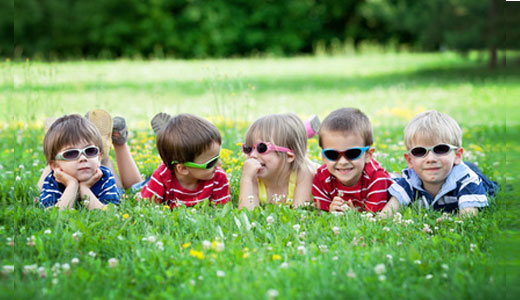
pixel 335 229
pixel 401 259
pixel 206 244
pixel 200 277
pixel 399 243
pixel 296 227
pixel 47 231
pixel 335 258
pixel 381 277
pixel 445 266
pixel 234 235
pixel 351 274
pixel 92 253
pixel 323 248
pixel 253 225
pixel 192 282
pixel 302 250
pixel 270 220
pixel 444 275
pixel 160 245
pixel 29 269
pixel 112 262
pixel 219 247
pixel 18 178
pixel 386 229
pixel 220 273
pixel 380 269
pixel 151 239
pixel 289 244
pixel 427 228
pixel 42 272
pixel 429 276
pixel 302 234
pixel 284 265
pixel 389 256
pixel 76 235
pixel 272 293
pixel 74 261
pixel 7 269
pixel 120 237
pixel 55 281
pixel 418 262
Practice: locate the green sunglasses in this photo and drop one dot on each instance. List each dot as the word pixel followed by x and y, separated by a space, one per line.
pixel 207 165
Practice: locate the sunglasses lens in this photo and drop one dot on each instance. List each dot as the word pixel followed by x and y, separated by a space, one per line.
pixel 212 163
pixel 418 151
pixel 261 148
pixel 353 154
pixel 91 151
pixel 331 154
pixel 441 149
pixel 247 149
pixel 71 154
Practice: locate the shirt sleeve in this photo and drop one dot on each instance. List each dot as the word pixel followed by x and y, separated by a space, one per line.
pixel 472 192
pixel 109 192
pixel 51 192
pixel 155 188
pixel 377 191
pixel 221 193
pixel 322 198
pixel 402 191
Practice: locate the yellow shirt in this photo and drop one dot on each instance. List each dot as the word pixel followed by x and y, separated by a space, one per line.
pixel 262 193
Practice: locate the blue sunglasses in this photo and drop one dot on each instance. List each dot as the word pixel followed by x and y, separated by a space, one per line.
pixel 350 154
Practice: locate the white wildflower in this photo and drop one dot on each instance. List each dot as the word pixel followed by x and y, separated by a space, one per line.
pixel 351 274
pixel 151 239
pixel 272 293
pixel 335 229
pixel 220 273
pixel 92 253
pixel 323 248
pixel 270 220
pixel 112 262
pixel 429 276
pixel 206 244
pixel 302 250
pixel 380 269
pixel 296 227
pixel 74 261
pixel 220 246
pixel 47 231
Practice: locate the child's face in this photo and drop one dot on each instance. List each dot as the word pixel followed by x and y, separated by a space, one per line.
pixel 205 174
pixel 82 168
pixel 272 162
pixel 348 172
pixel 433 169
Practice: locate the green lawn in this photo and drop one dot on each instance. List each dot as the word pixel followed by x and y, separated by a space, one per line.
pixel 141 250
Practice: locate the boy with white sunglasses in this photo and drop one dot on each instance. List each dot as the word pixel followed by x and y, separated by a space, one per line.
pixel 436 176
pixel 73 148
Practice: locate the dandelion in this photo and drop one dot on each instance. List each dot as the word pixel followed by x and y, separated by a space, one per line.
pixel 429 276
pixel 186 245
pixel 270 220
pixel 335 229
pixel 220 273
pixel 296 227
pixel 47 231
pixel 323 248
pixel 302 250
pixel 276 257
pixel 272 293
pixel 351 274
pixel 92 253
pixel 112 262
pixel 206 244
pixel 74 261
pixel 126 216
pixel 196 254
pixel 380 269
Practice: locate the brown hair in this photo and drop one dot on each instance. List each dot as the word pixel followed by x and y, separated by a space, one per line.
pixel 285 130
pixel 70 130
pixel 185 137
pixel 348 120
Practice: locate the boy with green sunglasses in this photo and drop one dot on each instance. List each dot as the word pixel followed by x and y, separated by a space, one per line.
pixel 190 173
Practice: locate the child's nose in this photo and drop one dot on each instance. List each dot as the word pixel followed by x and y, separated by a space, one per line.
pixel 430 156
pixel 342 159
pixel 82 157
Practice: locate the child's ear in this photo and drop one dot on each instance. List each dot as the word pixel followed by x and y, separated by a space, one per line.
pixel 53 164
pixel 290 157
pixel 181 169
pixel 408 159
pixel 369 154
pixel 458 156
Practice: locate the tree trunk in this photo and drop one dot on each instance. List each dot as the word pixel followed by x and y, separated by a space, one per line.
pixel 492 35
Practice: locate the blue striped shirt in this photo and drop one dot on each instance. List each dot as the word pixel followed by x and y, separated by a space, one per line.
pixel 462 188
pixel 105 189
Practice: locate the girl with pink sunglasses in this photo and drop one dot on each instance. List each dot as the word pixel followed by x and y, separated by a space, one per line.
pixel 277 169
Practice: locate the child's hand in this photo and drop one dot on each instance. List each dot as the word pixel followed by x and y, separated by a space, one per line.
pixel 250 168
pixel 338 204
pixel 63 177
pixel 92 180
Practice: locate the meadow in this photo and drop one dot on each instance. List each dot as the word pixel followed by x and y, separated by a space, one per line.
pixel 143 250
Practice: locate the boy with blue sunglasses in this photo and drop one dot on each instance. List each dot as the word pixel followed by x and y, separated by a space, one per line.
pixel 436 177
pixel 350 177
pixel 190 173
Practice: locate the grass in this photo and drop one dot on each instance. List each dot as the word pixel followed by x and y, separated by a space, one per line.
pixel 139 250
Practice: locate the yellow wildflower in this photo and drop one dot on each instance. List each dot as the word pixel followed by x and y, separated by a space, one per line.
pixel 196 253
pixel 276 257
pixel 186 245
pixel 126 216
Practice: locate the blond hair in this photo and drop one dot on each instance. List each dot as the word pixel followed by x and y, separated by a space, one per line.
pixel 285 130
pixel 67 131
pixel 348 120
pixel 433 126
pixel 185 137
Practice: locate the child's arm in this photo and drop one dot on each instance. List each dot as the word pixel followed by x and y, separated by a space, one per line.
pixel 248 196
pixel 221 193
pixel 468 212
pixel 45 173
pixel 321 192
pixel 303 189
pixel 85 191
pixel 390 208
pixel 68 198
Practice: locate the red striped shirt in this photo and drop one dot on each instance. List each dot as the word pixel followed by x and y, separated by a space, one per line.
pixel 369 194
pixel 166 189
